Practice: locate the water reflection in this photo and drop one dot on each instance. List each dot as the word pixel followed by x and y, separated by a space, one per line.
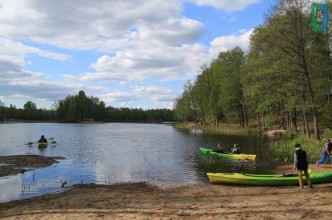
pixel 115 152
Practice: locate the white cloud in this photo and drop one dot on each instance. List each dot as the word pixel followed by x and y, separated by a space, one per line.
pixel 226 5
pixel 85 24
pixel 146 63
pixel 162 97
pixel 140 40
pixel 16 52
pixel 224 43
pixel 118 96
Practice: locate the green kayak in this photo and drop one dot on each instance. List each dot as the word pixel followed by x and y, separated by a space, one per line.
pixel 42 144
pixel 207 151
pixel 267 180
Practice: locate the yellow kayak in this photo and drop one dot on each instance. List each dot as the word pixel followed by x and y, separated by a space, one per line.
pixel 267 179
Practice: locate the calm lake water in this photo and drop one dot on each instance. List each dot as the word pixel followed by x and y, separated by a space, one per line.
pixel 117 152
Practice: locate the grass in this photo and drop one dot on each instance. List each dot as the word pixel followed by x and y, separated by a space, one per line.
pixel 281 150
pixel 218 129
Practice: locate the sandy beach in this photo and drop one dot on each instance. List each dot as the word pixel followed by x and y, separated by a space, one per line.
pixel 144 201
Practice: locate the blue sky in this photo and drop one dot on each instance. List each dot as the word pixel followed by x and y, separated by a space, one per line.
pixel 133 53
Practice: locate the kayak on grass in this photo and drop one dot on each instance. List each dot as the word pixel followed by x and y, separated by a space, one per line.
pixel 207 151
pixel 267 179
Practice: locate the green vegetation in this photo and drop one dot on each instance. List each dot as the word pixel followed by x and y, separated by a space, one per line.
pixel 283 150
pixel 81 108
pixel 284 81
pixel 29 112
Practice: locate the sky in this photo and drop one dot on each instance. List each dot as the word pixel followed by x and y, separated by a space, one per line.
pixel 127 53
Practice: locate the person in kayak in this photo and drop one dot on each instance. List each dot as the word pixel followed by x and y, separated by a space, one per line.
pixel 301 164
pixel 326 152
pixel 236 149
pixel 218 149
pixel 42 139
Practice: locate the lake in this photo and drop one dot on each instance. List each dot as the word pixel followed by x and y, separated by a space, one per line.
pixel 106 153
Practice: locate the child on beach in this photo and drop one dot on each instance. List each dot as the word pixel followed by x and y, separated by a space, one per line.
pixel 326 152
pixel 301 164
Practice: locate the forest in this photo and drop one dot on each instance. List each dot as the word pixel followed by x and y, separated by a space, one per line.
pixel 81 108
pixel 284 79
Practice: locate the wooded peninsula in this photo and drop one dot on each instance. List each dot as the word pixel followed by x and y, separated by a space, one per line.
pixel 81 108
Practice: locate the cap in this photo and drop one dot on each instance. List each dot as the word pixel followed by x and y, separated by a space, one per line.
pixel 297 146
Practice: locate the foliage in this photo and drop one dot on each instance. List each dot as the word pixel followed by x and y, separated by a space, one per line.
pixel 283 150
pixel 284 80
pixel 138 115
pixel 80 108
pixel 30 112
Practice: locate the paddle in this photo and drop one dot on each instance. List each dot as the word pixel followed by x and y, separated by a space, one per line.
pixel 51 139
pixel 295 174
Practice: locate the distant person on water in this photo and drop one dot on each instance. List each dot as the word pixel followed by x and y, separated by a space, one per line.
pixel 236 149
pixel 42 139
pixel 301 164
pixel 326 152
pixel 218 149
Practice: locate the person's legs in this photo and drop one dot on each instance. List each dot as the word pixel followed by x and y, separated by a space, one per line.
pixel 299 173
pixel 322 159
pixel 308 178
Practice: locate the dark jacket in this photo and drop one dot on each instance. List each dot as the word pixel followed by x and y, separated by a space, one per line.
pixel 300 160
pixel 42 140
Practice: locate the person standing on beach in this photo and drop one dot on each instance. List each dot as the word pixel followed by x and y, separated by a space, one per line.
pixel 301 164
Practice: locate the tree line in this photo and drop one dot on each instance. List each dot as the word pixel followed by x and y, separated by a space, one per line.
pixel 81 108
pixel 284 78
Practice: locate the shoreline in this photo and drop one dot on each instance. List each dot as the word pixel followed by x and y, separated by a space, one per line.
pixel 147 201
pixel 15 164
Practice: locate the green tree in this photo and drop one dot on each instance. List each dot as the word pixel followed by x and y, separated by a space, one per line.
pixel 185 107
pixel 231 89
pixel 282 61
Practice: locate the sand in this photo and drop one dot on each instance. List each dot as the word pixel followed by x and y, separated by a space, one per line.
pixel 145 201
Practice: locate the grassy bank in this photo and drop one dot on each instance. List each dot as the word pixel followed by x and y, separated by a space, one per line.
pixel 281 150
pixel 220 129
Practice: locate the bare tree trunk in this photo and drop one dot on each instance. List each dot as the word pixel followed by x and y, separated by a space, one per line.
pixel 241 117
pixel 199 100
pixel 305 124
pixel 293 120
pixel 246 116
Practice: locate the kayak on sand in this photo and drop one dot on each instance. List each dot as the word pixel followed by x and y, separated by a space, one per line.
pixel 268 179
pixel 207 151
